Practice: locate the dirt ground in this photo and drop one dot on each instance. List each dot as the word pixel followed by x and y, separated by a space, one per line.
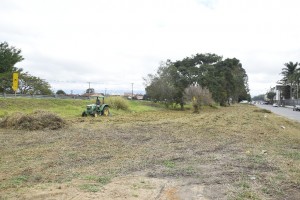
pixel 130 188
pixel 239 152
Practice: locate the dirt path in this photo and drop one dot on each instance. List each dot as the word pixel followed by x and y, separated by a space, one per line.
pixel 129 188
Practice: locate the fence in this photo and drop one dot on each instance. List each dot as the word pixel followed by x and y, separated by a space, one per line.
pixel 289 102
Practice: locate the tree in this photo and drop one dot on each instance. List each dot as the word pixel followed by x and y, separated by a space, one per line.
pixel 228 82
pixel 195 70
pixel 161 86
pixel 29 84
pixel 60 92
pixel 90 91
pixel 271 95
pixel 291 76
pixel 225 79
pixel 260 97
pixel 297 80
pixel 9 56
pixel 289 71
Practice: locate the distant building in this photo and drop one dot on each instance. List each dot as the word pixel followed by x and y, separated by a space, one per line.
pixel 139 97
pixel 282 92
pixel 133 96
pixel 128 94
pixel 92 94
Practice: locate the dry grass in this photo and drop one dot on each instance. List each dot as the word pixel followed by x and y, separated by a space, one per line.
pixel 235 152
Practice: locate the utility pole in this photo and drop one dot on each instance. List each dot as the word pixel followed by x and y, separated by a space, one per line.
pixel 131 91
pixel 89 90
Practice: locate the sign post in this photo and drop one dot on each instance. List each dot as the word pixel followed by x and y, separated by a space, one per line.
pixel 15 82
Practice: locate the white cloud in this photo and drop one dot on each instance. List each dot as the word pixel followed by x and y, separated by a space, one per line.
pixel 115 43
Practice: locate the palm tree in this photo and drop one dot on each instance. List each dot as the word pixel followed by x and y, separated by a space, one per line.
pixel 297 78
pixel 290 75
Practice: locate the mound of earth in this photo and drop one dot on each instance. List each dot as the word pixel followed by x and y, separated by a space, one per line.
pixel 37 120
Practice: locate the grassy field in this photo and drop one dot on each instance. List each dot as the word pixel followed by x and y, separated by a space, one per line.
pixel 237 152
pixel 69 108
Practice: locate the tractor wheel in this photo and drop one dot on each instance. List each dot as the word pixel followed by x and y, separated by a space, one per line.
pixel 84 114
pixel 105 111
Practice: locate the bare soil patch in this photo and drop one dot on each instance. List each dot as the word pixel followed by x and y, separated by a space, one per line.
pixel 226 153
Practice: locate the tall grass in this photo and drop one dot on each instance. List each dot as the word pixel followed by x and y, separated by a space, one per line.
pixel 70 108
pixel 62 107
pixel 117 103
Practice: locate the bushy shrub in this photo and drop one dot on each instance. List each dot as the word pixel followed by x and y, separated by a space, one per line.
pixel 117 103
pixel 199 96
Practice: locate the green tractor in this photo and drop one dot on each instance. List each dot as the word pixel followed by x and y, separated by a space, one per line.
pixel 97 109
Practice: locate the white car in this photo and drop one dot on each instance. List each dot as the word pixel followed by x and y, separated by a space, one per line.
pixel 275 105
pixel 296 108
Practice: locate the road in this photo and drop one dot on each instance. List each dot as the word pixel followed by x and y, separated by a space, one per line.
pixel 286 112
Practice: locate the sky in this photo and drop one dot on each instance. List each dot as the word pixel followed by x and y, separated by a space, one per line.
pixel 110 45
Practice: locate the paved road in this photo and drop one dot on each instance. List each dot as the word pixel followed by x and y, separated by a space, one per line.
pixel 286 112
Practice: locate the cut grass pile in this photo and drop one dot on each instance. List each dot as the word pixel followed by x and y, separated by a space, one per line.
pixel 37 120
pixel 237 152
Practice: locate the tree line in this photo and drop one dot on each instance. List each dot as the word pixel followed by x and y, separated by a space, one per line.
pixel 200 79
pixel 28 84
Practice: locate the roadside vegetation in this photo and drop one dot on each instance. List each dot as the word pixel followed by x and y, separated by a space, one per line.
pixel 236 152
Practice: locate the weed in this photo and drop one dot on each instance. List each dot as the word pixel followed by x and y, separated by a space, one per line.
pixel 9 185
pixel 295 155
pixel 90 187
pixel 19 180
pixel 246 194
pixel 169 164
pixel 3 114
pixel 135 195
pixel 90 178
pixel 103 180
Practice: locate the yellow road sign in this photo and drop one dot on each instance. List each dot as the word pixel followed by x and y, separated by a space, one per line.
pixel 15 81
